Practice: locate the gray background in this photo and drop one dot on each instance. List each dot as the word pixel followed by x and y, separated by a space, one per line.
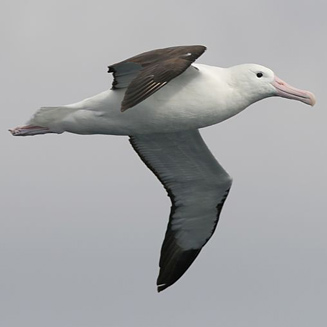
pixel 82 219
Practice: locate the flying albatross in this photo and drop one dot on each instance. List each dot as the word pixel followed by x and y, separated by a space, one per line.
pixel 160 99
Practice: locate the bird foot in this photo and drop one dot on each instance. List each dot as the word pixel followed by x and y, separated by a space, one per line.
pixel 29 130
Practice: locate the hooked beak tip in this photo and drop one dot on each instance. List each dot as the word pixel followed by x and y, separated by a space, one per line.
pixel 312 98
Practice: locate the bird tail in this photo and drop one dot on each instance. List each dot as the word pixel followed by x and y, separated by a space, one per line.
pixel 46 116
pixel 45 120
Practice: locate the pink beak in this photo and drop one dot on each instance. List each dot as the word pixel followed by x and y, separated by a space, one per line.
pixel 287 91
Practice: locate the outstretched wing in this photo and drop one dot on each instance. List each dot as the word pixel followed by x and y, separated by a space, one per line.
pixel 197 186
pixel 147 72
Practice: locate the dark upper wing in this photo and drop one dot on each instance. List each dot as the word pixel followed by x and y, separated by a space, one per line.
pixel 147 72
pixel 197 186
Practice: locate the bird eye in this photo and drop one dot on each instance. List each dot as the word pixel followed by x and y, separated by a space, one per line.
pixel 259 75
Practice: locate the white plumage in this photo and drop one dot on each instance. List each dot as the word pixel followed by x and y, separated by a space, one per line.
pixel 160 99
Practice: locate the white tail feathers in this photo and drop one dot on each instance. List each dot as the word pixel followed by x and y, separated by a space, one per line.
pixel 50 117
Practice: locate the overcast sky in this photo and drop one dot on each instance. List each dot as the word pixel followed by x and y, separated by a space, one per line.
pixel 82 218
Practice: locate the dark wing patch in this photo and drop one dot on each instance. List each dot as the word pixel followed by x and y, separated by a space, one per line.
pixel 151 79
pixel 197 186
pixel 146 73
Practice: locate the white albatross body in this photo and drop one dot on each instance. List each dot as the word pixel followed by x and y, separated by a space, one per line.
pixel 99 114
pixel 160 99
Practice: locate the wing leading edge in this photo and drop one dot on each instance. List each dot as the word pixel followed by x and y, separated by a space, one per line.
pixel 197 186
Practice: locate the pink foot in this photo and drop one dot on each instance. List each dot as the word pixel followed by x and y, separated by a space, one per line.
pixel 29 130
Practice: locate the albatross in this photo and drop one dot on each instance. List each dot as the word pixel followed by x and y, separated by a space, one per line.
pixel 160 99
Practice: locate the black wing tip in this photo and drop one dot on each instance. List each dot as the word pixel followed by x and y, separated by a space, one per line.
pixel 124 108
pixel 202 47
pixel 162 287
pixel 175 268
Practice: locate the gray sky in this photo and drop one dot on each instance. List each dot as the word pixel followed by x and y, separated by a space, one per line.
pixel 82 219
